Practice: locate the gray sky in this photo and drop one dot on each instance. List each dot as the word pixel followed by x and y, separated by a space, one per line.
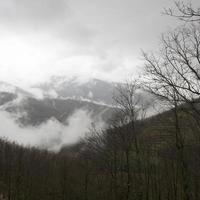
pixel 91 38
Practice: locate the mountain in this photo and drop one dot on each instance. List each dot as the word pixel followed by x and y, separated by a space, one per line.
pixel 93 89
pixel 12 89
pixel 35 112
pixel 30 111
pixel 61 97
pixel 38 174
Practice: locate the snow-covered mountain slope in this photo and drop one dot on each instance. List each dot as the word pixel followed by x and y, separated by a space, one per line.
pixel 31 111
pixel 93 89
pixel 9 88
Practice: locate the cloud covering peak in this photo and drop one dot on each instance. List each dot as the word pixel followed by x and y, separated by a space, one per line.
pixel 101 39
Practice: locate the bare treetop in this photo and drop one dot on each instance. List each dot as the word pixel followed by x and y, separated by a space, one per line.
pixel 184 12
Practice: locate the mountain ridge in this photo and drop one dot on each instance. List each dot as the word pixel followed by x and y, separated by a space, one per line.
pixel 32 111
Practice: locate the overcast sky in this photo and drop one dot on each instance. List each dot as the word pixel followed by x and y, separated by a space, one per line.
pixel 91 38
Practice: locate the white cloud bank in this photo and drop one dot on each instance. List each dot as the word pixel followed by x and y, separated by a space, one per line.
pixel 51 135
pixel 41 38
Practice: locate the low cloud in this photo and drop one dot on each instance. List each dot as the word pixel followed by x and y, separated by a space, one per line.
pixel 52 135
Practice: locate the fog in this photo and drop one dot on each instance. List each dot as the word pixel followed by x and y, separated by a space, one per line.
pixel 51 135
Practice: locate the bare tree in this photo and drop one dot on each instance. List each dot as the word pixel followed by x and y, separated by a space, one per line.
pixel 176 66
pixel 131 108
pixel 184 12
pixel 173 75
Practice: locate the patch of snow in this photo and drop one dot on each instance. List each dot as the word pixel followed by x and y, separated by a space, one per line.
pixel 51 94
pixel 4 87
pixel 37 93
pixel 87 100
pixel 90 95
pixel 15 103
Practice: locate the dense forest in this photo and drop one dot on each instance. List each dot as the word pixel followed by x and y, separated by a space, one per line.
pixel 136 157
